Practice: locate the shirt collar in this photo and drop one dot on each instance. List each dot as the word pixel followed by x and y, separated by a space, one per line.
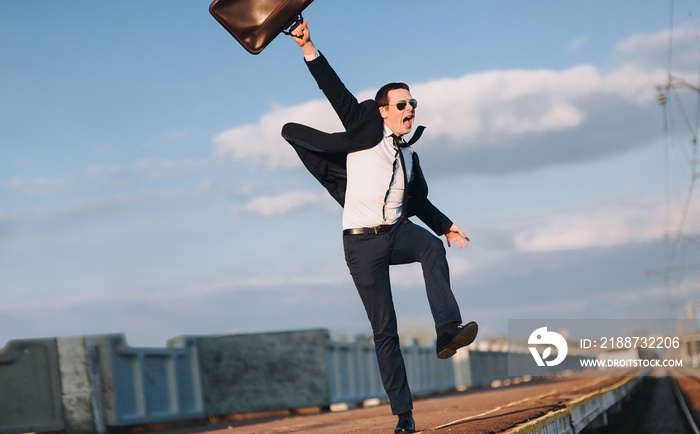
pixel 387 132
pixel 387 135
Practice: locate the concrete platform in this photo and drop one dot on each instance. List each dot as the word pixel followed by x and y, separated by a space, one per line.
pixel 518 408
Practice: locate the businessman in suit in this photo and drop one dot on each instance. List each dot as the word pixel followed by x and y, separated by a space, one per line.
pixel 376 176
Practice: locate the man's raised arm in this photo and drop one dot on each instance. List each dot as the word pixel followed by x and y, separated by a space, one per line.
pixel 346 106
pixel 302 37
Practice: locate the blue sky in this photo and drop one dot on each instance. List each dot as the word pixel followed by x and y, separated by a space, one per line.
pixel 144 187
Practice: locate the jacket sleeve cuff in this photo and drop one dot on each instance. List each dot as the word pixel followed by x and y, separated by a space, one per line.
pixel 311 57
pixel 446 225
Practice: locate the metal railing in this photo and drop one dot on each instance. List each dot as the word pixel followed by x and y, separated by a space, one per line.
pixel 91 383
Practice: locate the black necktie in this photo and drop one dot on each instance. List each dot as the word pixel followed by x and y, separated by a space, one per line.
pixel 399 143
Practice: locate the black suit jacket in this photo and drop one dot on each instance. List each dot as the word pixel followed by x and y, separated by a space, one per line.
pixel 324 154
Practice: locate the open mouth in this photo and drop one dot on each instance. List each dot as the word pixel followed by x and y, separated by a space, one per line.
pixel 408 120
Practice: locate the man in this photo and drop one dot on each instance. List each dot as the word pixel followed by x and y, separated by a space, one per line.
pixel 375 175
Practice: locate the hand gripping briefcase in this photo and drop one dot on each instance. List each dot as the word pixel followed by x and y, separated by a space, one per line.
pixel 255 23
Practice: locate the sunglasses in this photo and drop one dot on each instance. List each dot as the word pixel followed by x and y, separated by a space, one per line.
pixel 400 105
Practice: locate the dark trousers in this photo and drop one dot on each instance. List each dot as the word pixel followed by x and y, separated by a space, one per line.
pixel 368 258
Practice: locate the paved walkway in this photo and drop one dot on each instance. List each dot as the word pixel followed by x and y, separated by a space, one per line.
pixel 475 411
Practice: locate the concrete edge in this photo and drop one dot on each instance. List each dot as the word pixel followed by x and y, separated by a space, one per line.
pixel 563 418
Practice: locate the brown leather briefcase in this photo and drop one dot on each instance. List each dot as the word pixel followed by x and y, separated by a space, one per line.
pixel 255 23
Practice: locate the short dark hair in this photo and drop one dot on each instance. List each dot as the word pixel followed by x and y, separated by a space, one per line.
pixel 382 98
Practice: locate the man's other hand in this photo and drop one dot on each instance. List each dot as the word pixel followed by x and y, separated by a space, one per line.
pixel 455 234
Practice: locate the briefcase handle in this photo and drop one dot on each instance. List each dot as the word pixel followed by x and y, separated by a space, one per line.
pixel 297 21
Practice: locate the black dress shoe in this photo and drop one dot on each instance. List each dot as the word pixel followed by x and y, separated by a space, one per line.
pixel 453 336
pixel 405 423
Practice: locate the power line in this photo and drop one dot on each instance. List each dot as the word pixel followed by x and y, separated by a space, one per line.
pixel 675 239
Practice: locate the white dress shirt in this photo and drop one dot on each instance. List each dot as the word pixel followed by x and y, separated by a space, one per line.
pixel 375 185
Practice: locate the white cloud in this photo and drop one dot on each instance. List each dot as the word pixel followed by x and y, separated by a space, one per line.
pixel 600 225
pixel 261 142
pixel 99 171
pixel 577 43
pixel 245 188
pixel 636 295
pixel 171 296
pixel 459 264
pixel 40 185
pixel 206 186
pixel 106 202
pixel 283 203
pixel 167 137
pixel 474 110
pixel 655 41
pixel 496 105
pixel 651 49
pixel 160 168
pixel 269 282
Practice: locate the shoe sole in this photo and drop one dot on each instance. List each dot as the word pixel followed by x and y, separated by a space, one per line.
pixel 465 337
